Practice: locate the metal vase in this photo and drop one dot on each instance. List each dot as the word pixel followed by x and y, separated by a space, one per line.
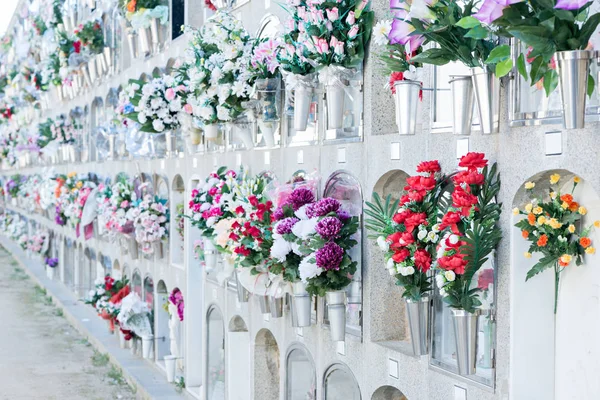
pixel 144 42
pixel 335 95
pixel 276 306
pixel 573 70
pixel 132 42
pixel 336 314
pixel 242 294
pixel 465 334
pixel 407 105
pixel 302 101
pixel 158 248
pixel 112 147
pixel 101 64
pixel 211 131
pixel 171 139
pixel 170 366
pixel 132 248
pixel 92 71
pixel 86 75
pixel 461 88
pixel 210 254
pixel 109 59
pixel 155 33
pixel 263 302
pixel 487 96
pixel 302 304
pixel 418 321
pixel 147 345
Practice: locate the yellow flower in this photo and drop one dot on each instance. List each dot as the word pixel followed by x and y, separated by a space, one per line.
pixel 541 220
pixel 571 228
pixel 582 210
pixel 515 211
pixel 565 205
pixel 554 178
pixel 554 224
pixel 552 195
pixel 79 184
pixel 565 260
pixel 71 174
pixel 528 208
pixel 597 224
pixel 577 179
pixel 590 250
pixel 527 254
pixel 537 210
pixel 529 185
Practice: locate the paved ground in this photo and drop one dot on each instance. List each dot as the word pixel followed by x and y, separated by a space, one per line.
pixel 42 357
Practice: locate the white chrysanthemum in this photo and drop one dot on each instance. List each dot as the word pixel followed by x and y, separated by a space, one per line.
pixel 280 249
pixel 381 30
pixel 383 243
pixel 304 228
pixel 308 270
pixel 158 125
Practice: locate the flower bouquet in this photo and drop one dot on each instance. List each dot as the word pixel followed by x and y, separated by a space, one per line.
pixel 558 30
pixel 456 29
pixel 339 34
pixel 145 17
pixel 135 315
pixel 38 243
pixel 553 226
pixel 217 72
pixel 74 210
pixel 176 299
pixel 408 232
pixel 12 187
pixel 395 57
pixel 151 225
pixel 470 236
pixel 23 241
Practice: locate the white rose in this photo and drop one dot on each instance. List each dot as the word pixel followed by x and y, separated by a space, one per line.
pixel 440 281
pixel 390 264
pixel 382 243
pixel 450 276
pixel 443 293
pixel 453 239
pixel 422 234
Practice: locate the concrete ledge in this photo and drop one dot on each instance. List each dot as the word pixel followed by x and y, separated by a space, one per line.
pixel 145 377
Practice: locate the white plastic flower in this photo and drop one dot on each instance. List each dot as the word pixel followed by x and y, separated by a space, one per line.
pixel 381 30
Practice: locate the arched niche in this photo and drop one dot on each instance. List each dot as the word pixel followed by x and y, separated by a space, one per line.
pixel 161 316
pixel 149 291
pixel 97 119
pixel 161 186
pixel 345 187
pixel 388 393
pixel 170 67
pixel 266 366
pixel 88 274
pixel 116 270
pixel 144 77
pixel 339 383
pixel 136 283
pixel 300 374
pixel 177 231
pixel 143 184
pixel 386 298
pixel 549 352
pixel 215 358
pixel 80 275
pixel 238 359
pixel 270 27
pixel 158 72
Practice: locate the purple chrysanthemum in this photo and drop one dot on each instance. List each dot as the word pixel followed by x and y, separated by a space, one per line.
pixel 278 214
pixel 51 262
pixel 343 215
pixel 329 227
pixel 325 206
pixel 300 197
pixel 285 225
pixel 329 256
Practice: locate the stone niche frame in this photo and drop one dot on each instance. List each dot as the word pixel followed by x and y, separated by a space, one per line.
pixel 176 247
pixel 239 383
pixel 215 354
pixel 294 348
pixel 347 389
pixel 267 368
pixel 548 353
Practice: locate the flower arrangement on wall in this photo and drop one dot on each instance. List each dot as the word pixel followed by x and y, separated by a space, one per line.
pixel 152 222
pixel 116 207
pixel 176 300
pixel 553 226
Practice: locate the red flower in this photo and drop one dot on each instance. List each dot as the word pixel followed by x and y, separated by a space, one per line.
pixel 239 210
pixel 242 251
pixel 422 260
pixel 77 46
pixel 470 177
pixel 253 200
pixel 395 76
pixel 210 5
pixel 451 218
pixel 401 239
pixel 400 217
pixel 430 167
pixel 415 220
pixel 419 183
pixel 454 263
pixel 404 200
pixel 416 196
pixel 401 255
pixel 486 278
pixel 473 160
pixel 463 200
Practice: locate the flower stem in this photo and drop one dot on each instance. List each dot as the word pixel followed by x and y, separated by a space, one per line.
pixel 556 280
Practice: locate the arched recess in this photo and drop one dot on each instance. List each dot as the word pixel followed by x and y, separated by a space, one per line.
pixel 161 317
pixel 97 119
pixel 177 223
pixel 170 67
pixel 238 359
pixel 388 393
pixel 339 383
pixel 215 360
pixel 552 356
pixel 300 374
pixel 148 297
pixel 127 274
pixel 158 72
pixel 266 366
pixel 385 297
pixel 345 187
pixel 80 274
pixel 136 283
pixel 177 332
pixel 116 270
pixel 87 278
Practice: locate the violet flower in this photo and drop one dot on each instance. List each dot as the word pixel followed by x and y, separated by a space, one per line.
pixel 299 197
pixel 490 11
pixel 323 207
pixel 285 225
pixel 51 262
pixel 278 214
pixel 570 4
pixel 343 215
pixel 329 228
pixel 329 257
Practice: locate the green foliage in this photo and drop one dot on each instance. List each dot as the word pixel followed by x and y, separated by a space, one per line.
pixel 380 216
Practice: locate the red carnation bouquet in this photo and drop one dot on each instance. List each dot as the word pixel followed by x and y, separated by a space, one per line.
pixel 471 231
pixel 406 230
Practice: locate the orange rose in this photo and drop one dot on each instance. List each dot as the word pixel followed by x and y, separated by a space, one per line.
pixel 585 242
pixel 531 218
pixel 566 198
pixel 542 241
pixel 131 6
pixel 525 234
pixel 574 206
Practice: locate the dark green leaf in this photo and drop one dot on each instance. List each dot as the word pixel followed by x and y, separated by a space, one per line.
pixel 503 68
pixel 591 85
pixel 521 66
pixel 550 81
pixel 478 32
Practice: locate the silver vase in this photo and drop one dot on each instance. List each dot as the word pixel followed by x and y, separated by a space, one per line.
pixel 418 321
pixel 132 42
pixel 461 88
pixel 144 42
pixel 171 139
pixel 86 75
pixel 336 314
pixel 210 254
pixel 92 71
pixel 335 95
pixel 302 101
pixel 407 105
pixel 263 302
pixel 276 306
pixel 156 35
pixel 109 59
pixel 487 96
pixel 101 65
pixel 242 294
pixel 158 248
pixel 132 248
pixel 465 334
pixel 573 70
pixel 112 147
pixel 302 304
